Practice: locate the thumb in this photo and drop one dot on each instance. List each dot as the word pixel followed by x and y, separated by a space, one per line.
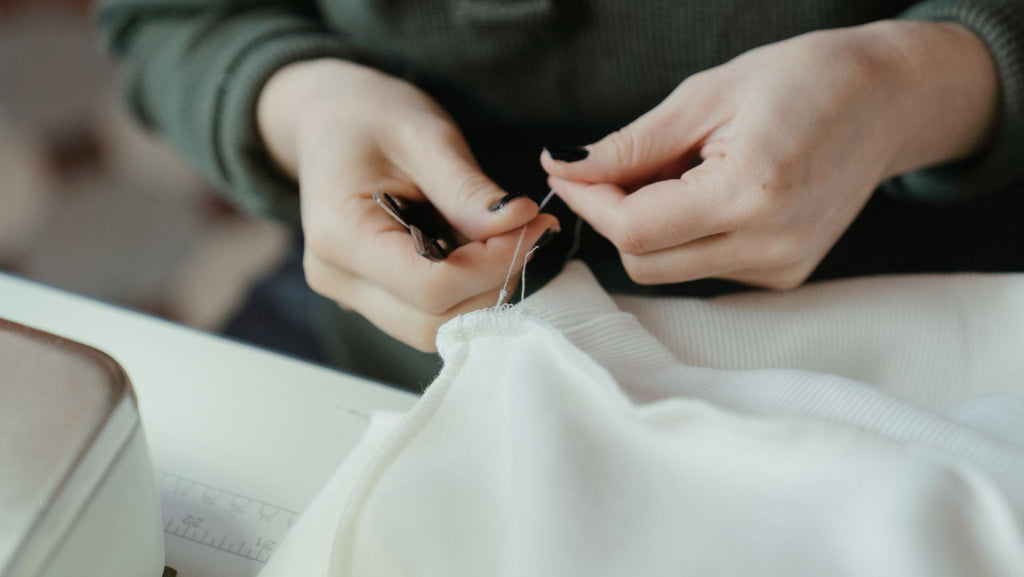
pixel 640 150
pixel 450 178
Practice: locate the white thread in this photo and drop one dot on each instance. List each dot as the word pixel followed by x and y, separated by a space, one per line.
pixel 511 267
pixel 515 256
pixel 522 282
pixel 547 199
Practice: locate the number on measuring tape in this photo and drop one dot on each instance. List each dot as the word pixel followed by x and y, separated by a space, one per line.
pixel 221 519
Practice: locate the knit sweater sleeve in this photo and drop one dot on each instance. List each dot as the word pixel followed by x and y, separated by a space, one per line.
pixel 193 70
pixel 1000 167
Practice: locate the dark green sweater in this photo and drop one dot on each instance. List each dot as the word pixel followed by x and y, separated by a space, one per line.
pixel 517 74
pixel 540 70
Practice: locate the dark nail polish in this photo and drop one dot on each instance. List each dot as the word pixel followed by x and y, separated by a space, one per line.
pixel 545 238
pixel 567 153
pixel 501 202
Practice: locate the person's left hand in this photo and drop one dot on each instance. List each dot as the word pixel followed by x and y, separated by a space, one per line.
pixel 791 140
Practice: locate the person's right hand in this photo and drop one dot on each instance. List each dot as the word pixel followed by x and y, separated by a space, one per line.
pixel 344 131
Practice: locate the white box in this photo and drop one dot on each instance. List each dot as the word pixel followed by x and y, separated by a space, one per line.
pixel 78 495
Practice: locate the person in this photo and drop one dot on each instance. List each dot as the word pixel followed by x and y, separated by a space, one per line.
pixel 752 143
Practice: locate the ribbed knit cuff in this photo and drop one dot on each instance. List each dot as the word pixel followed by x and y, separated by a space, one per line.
pixel 251 177
pixel 1000 24
pixel 194 72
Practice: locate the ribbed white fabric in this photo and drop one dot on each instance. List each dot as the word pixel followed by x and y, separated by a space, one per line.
pixel 934 340
pixel 565 438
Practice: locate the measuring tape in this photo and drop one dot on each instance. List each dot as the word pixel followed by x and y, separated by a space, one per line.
pixel 221 519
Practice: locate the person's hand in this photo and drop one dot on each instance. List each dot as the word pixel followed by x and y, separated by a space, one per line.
pixel 345 131
pixel 751 171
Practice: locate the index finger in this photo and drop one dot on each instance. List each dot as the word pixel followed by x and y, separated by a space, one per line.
pixel 386 256
pixel 655 217
pixel 444 169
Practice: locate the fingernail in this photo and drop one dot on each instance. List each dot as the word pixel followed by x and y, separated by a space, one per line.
pixel 546 237
pixel 567 153
pixel 501 202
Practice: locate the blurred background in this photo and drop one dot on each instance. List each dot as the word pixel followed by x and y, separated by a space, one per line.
pixel 92 204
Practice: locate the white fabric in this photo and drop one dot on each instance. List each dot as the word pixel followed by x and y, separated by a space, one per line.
pixel 566 438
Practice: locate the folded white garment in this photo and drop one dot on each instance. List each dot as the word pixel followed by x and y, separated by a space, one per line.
pixel 868 427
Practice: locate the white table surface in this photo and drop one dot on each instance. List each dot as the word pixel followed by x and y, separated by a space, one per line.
pixel 219 412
